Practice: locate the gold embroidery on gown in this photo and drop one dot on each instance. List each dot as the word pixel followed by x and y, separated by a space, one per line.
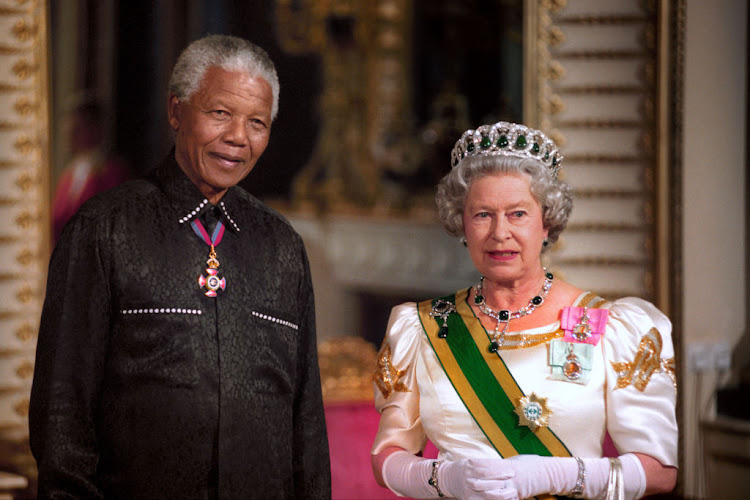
pixel 386 376
pixel 647 361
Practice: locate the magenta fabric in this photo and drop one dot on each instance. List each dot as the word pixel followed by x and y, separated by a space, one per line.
pixel 608 448
pixel 351 432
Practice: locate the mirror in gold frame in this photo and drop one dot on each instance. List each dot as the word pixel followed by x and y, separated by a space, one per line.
pixel 402 80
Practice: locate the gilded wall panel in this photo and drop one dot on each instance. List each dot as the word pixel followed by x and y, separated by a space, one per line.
pixel 617 39
pixel 600 73
pixel 610 280
pixel 610 108
pixel 600 176
pixel 591 137
pixel 616 245
pixel 596 80
pixel 592 11
pixel 608 210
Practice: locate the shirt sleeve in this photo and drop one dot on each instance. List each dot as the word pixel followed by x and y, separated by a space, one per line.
pixel 641 388
pixel 395 383
pixel 70 358
pixel 312 471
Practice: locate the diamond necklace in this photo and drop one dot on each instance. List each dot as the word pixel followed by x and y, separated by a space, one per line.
pixel 504 315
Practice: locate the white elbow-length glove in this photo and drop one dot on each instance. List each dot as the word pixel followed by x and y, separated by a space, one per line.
pixel 535 475
pixel 468 479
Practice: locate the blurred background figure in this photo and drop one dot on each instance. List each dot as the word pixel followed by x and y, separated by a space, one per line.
pixel 91 169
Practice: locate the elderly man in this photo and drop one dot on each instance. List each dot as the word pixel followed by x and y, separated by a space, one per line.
pixel 177 353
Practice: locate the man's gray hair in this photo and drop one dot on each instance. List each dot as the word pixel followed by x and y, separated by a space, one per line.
pixel 227 52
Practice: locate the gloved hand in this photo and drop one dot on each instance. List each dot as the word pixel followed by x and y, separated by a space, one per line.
pixel 535 475
pixel 477 479
pixel 467 479
pixel 518 477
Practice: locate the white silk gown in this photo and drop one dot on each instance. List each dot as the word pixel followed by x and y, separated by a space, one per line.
pixel 423 404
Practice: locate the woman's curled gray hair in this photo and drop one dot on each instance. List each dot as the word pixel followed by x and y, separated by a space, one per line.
pixel 554 196
pixel 227 52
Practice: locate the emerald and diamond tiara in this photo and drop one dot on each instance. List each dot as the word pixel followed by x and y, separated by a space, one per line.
pixel 508 139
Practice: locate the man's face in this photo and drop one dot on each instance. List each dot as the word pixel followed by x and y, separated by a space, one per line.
pixel 222 130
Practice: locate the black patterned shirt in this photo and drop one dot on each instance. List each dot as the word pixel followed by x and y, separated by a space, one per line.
pixel 145 387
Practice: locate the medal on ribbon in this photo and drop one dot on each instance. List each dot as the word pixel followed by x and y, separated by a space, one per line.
pixel 571 361
pixel 583 324
pixel 213 282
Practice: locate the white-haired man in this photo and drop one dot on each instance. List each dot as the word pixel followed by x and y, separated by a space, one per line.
pixel 177 353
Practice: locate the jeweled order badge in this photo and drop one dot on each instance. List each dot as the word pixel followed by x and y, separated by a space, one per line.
pixel 213 283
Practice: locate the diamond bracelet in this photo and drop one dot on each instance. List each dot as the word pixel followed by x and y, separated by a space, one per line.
pixel 433 481
pixel 577 491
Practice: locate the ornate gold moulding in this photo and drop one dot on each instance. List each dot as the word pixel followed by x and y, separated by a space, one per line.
pixel 346 368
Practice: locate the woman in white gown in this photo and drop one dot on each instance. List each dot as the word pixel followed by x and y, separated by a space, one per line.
pixel 517 379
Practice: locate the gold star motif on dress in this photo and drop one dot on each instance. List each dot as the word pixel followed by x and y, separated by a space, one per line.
pixel 647 362
pixel 387 377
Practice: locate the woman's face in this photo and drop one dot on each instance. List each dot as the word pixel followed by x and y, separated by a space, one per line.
pixel 503 228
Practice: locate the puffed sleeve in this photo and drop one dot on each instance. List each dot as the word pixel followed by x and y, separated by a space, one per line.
pixel 395 383
pixel 641 389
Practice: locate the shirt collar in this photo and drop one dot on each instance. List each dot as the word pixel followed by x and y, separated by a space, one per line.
pixel 187 198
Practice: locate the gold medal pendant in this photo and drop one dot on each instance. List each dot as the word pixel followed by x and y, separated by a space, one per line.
pixel 572 368
pixel 213 282
pixel 570 361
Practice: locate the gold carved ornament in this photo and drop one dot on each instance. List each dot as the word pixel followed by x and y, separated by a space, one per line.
pixel 346 365
pixel 25 332
pixel 387 377
pixel 647 362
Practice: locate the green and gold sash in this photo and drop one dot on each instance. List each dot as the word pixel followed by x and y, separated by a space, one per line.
pixel 484 383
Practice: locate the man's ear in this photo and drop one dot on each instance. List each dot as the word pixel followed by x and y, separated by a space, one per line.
pixel 174 112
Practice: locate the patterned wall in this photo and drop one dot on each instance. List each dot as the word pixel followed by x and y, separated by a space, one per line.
pixel 24 208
